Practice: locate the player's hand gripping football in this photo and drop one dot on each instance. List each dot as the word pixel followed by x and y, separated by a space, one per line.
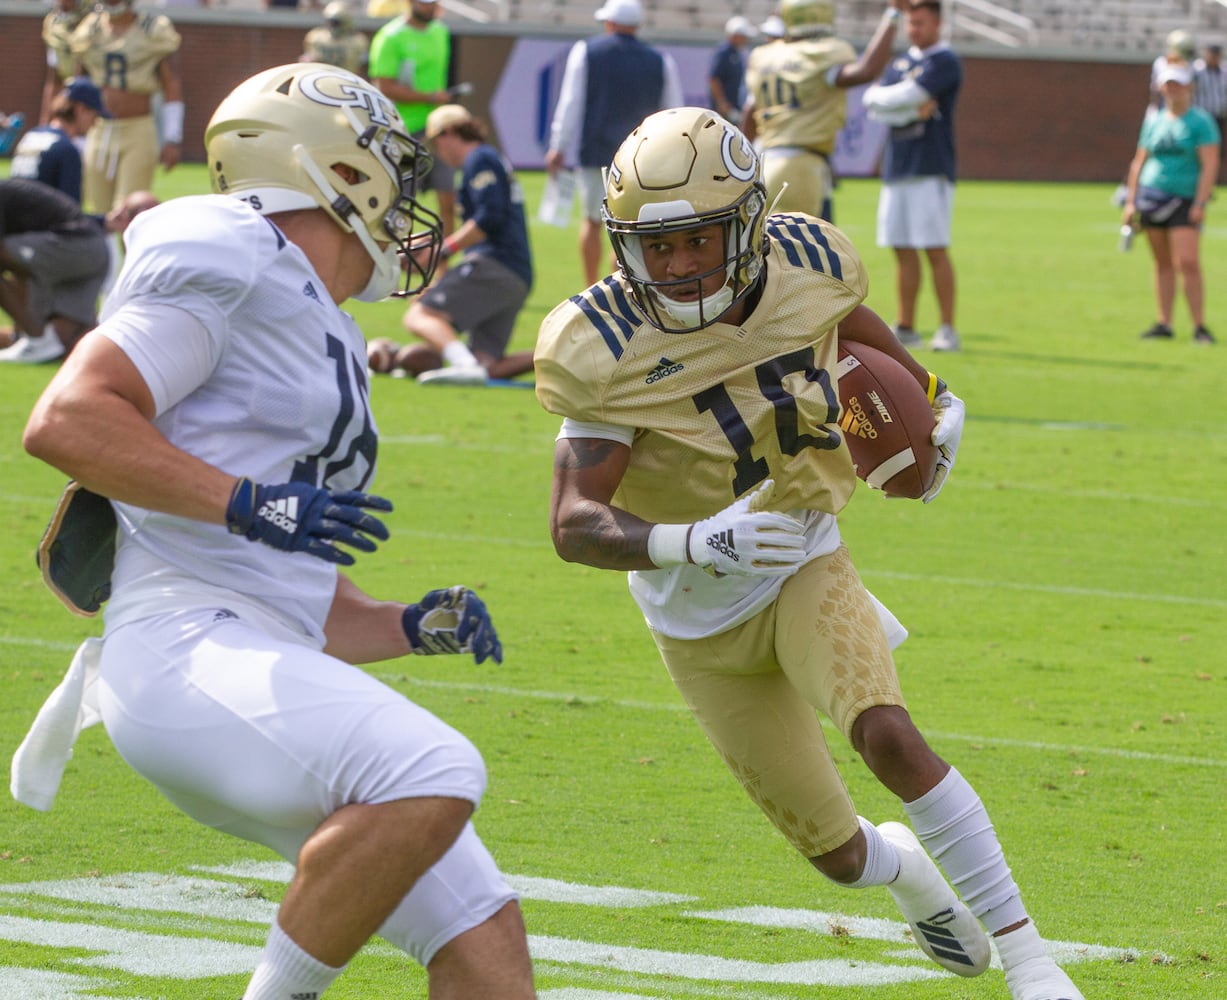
pixel 454 620
pixel 746 540
pixel 949 411
pixel 299 517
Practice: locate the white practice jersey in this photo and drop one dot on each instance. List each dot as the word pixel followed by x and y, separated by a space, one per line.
pixel 265 377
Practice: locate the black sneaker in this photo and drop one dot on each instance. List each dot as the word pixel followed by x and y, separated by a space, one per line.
pixel 1160 331
pixel 1202 336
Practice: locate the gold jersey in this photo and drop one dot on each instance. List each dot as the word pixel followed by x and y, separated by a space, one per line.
pixel 58 27
pixel 717 411
pixel 126 60
pixel 794 105
pixel 348 51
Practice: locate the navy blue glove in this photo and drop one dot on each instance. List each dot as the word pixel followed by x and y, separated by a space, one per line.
pixel 299 517
pixel 454 620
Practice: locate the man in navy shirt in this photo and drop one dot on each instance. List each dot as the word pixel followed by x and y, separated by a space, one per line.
pixel 916 97
pixel 727 74
pixel 484 293
pixel 51 153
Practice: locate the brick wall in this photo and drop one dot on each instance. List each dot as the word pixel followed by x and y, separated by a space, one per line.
pixel 1019 119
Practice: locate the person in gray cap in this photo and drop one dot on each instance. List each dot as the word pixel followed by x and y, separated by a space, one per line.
pixel 612 82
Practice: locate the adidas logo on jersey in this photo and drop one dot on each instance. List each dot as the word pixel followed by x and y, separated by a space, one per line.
pixel 665 368
pixel 856 421
pixel 282 513
pixel 722 542
pixel 309 291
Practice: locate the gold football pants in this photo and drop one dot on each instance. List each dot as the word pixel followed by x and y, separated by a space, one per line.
pixel 755 691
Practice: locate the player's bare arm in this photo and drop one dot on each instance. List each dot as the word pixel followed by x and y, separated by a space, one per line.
pixel 865 326
pixel 93 422
pixel 585 527
pixel 877 53
pixel 361 629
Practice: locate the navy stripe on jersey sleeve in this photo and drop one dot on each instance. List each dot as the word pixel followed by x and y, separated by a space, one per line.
pixel 796 236
pixel 606 307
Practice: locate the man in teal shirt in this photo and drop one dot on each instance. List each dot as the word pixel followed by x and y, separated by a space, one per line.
pixel 409 64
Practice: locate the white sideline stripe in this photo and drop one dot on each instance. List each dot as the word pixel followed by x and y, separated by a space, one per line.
pixel 649 961
pixel 1044 588
pixel 564 697
pixel 141 954
pixel 37 984
pixel 878 929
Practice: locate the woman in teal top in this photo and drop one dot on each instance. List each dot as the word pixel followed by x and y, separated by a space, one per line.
pixel 1170 183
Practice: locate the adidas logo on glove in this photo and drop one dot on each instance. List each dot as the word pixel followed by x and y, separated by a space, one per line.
pixel 282 513
pixel 722 542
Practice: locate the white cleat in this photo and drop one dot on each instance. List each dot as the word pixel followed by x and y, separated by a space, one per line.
pixel 941 924
pixel 455 375
pixel 1040 979
pixel 33 350
pixel 946 339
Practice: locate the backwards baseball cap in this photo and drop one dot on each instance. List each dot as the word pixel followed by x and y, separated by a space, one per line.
pixel 446 116
pixel 773 27
pixel 1176 73
pixel 625 12
pixel 740 26
pixel 82 90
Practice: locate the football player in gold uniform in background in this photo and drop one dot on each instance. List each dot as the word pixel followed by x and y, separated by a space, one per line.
pixel 336 42
pixel 701 451
pixel 797 101
pixel 129 56
pixel 59 24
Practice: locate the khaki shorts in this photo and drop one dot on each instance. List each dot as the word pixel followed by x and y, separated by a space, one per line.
pixel 755 690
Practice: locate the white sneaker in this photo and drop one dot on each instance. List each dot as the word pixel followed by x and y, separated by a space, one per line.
pixel 455 375
pixel 907 336
pixel 946 339
pixel 33 350
pixel 1040 979
pixel 941 924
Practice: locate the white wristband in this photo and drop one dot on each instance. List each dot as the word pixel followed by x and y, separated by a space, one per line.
pixel 667 544
pixel 892 15
pixel 172 122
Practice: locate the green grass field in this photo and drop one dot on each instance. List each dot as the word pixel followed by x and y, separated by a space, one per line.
pixel 1068 610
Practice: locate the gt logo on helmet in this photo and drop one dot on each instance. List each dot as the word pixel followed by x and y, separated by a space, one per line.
pixel 340 90
pixel 738 155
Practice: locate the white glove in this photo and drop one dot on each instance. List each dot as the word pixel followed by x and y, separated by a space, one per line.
pixel 949 411
pixel 745 540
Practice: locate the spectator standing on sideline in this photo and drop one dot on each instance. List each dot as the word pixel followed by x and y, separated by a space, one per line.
pixel 610 84
pixel 717 485
pixel 484 294
pixel 53 261
pixel 797 100
pixel 773 28
pixel 130 56
pixel 1210 92
pixel 410 56
pixel 916 98
pixel 222 407
pixel 50 153
pixel 59 24
pixel 336 41
pixel 727 72
pixel 1171 179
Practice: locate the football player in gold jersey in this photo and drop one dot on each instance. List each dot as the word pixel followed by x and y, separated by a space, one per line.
pixel 797 99
pixel 336 41
pixel 701 451
pixel 129 56
pixel 59 24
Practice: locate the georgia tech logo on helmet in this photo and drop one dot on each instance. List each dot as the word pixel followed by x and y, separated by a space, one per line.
pixel 338 89
pixel 738 155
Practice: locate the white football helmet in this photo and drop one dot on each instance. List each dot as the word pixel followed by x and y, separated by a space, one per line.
pixel 808 18
pixel 312 135
pixel 682 169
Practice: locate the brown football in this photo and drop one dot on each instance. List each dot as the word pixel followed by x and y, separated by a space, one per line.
pixel 887 421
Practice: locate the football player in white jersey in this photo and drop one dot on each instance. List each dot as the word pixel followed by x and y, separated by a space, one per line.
pixel 222 406
pixel 701 451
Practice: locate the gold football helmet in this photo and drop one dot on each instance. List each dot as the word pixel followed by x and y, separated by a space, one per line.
pixel 808 18
pixel 312 135
pixel 338 17
pixel 682 169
